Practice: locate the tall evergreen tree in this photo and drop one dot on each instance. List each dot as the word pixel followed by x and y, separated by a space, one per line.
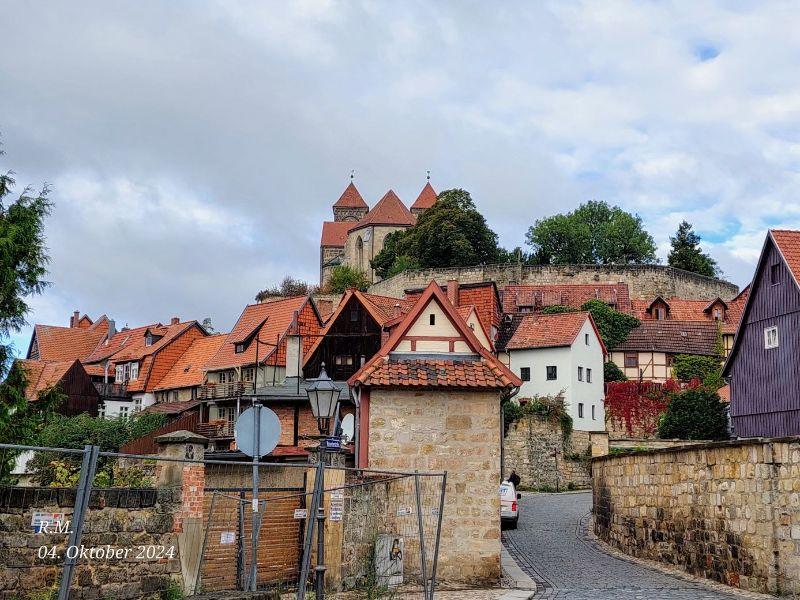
pixel 687 255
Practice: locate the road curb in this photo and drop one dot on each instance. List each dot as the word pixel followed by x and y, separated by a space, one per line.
pixel 522 586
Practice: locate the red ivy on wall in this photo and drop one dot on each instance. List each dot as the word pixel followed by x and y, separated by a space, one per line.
pixel 638 404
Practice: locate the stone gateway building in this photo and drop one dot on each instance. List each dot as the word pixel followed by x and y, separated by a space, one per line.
pixel 430 400
pixel 357 234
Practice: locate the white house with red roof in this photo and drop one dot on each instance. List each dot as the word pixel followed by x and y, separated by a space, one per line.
pixel 558 354
pixel 357 233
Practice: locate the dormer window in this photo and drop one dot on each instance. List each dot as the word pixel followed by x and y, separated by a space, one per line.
pixel 148 339
pixel 717 314
pixel 239 348
pixel 661 314
pixel 432 319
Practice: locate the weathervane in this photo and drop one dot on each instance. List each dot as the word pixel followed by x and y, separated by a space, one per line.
pixel 429 174
pixel 352 174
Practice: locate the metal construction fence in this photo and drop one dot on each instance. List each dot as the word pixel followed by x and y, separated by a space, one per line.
pixel 87 524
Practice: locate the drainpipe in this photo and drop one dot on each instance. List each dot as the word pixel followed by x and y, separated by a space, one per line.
pixel 514 391
pixel 357 429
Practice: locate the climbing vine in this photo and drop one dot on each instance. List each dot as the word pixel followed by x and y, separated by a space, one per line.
pixel 638 404
pixel 547 408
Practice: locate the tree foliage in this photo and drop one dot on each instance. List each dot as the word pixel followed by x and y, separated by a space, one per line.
pixel 691 366
pixel 555 309
pixel 594 233
pixel 695 414
pixel 611 372
pixel 345 277
pixel 452 233
pixel 687 255
pixel 288 287
pixel 614 326
pixel 23 256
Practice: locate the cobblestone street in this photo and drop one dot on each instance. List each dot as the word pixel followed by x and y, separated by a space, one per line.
pixel 552 546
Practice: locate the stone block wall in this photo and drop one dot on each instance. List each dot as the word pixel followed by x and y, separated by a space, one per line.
pixel 117 519
pixel 728 511
pixel 644 281
pixel 528 449
pixel 460 434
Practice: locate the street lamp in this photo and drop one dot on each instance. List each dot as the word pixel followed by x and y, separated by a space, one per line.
pixel 323 395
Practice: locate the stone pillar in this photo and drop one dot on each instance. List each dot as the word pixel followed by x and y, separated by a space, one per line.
pixel 190 478
pixel 599 443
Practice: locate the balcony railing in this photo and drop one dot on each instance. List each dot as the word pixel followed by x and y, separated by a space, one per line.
pixel 213 391
pixel 219 428
pixel 111 390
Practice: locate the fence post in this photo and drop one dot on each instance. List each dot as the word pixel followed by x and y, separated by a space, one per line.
pixel 316 501
pixel 84 491
pixel 438 535
pixel 422 556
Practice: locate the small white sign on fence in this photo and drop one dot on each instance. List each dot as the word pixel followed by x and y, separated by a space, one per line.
pixel 404 511
pixel 337 505
pixel 46 522
pixel 300 513
pixel 227 537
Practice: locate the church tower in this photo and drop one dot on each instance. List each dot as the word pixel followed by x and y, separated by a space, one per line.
pixel 350 206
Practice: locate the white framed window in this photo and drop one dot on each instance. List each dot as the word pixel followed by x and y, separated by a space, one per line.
pixel 137 404
pixel 580 410
pixel 101 411
pixel 148 339
pixel 120 374
pixel 134 371
pixel 248 374
pixel 238 348
pixel 123 412
pixel 580 373
pixel 226 376
pixel 771 337
pixel 589 377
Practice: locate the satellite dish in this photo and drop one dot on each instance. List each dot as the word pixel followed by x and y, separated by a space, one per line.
pixel 269 431
pixel 348 428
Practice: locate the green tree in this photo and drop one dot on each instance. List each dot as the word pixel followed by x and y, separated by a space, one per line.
pixel 594 233
pixel 23 258
pixel 611 372
pixel 556 309
pixel 344 277
pixel 287 288
pixel 692 366
pixel 687 255
pixel 614 326
pixel 694 414
pixel 452 233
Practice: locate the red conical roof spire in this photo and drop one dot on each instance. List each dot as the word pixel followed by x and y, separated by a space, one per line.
pixel 351 198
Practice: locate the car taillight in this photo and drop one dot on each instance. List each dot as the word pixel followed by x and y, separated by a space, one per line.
pixel 513 507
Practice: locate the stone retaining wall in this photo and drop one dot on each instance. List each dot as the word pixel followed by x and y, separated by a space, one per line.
pixel 644 281
pixel 528 449
pixel 727 511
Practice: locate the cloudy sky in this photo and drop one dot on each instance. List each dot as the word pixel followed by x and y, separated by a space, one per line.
pixel 195 147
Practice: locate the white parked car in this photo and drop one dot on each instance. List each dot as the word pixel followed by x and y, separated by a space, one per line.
pixel 509 505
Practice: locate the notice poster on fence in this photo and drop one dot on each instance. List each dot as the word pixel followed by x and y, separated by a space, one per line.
pixel 227 537
pixel 337 505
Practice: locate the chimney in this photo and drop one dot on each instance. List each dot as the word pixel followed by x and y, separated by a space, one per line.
pixel 112 329
pixel 174 320
pixel 452 291
pixel 294 350
pixel 73 320
pixel 397 311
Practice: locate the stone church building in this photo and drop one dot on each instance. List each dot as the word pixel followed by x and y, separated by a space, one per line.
pixel 357 233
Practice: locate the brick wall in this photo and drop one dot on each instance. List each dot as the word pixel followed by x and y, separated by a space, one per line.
pixel 644 281
pixel 528 449
pixel 727 511
pixel 459 433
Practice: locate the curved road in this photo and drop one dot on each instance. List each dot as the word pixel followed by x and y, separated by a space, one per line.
pixel 551 545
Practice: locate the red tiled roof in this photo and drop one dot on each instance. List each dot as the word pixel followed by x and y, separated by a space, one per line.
pixel 477 373
pixel 351 198
pixel 426 198
pixel 484 371
pixel 733 316
pixel 548 331
pixel 272 319
pixel 682 309
pixel 389 210
pixel 334 233
pixel 673 337
pixel 135 348
pixel 69 343
pixel 188 370
pixel 788 242
pixel 98 370
pixel 43 374
pixel 385 306
pixel 725 393
pixel 118 341
pixel 572 295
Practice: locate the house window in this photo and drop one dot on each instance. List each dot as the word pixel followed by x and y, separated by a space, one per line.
pixel 353 316
pixel 343 360
pixel 148 339
pixel 580 410
pixel 134 371
pixel 526 309
pixel 120 374
pixel 631 360
pixel 552 373
pixel 717 314
pixel 123 412
pixel 588 376
pixel 525 373
pixel 771 337
pixel 586 338
pixel 226 376
pixel 101 411
pixel 775 274
pixel 137 404
pixel 173 396
pixel 580 373
pixel 660 314
pixel 238 348
pixel 432 319
pixel 126 371
pixel 593 412
pixel 248 374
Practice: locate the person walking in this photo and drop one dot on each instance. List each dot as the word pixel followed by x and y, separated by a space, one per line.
pixel 514 478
